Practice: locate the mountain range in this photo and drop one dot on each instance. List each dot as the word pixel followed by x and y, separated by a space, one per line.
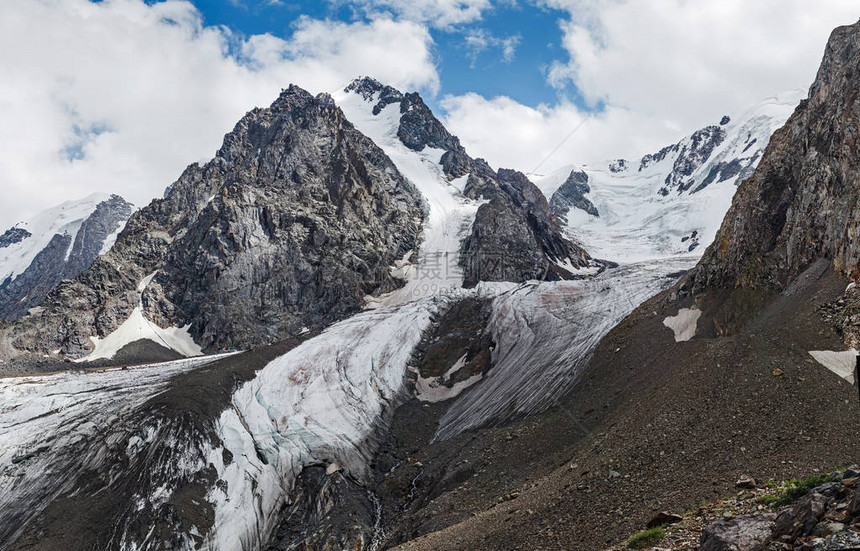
pixel 376 341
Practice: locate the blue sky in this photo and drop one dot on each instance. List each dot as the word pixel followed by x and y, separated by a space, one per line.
pixel 470 57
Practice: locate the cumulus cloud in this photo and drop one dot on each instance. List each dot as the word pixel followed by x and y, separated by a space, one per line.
pixel 510 134
pixel 671 57
pixel 120 96
pixel 657 70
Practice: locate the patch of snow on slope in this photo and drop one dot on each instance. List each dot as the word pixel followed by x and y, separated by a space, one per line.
pixel 449 220
pixel 319 404
pixel 684 324
pixel 433 389
pixel 136 328
pixel 64 219
pixel 842 363
pixel 111 238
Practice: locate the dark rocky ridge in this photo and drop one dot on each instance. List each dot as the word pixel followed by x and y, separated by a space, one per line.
pixel 515 236
pixel 571 194
pixel 52 265
pixel 12 236
pixel 294 221
pixel 801 203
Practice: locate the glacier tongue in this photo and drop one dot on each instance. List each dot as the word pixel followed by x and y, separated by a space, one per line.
pixel 322 403
pixel 50 426
pixel 545 334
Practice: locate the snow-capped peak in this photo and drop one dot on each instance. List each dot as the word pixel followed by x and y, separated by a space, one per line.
pixel 46 248
pixel 375 110
pixel 671 201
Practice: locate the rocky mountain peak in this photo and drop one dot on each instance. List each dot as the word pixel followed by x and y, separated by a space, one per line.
pixel 800 204
pixel 297 218
pixel 515 236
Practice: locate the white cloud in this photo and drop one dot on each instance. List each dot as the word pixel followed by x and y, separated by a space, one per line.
pixel 510 134
pixel 480 40
pixel 663 68
pixel 120 96
pixel 437 13
pixel 672 57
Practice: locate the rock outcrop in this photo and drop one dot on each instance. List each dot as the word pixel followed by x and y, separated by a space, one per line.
pixel 571 194
pixel 801 203
pixel 294 221
pixel 515 236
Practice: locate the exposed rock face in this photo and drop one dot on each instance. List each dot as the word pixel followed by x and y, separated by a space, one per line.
pixel 515 236
pixel 571 194
pixel 801 203
pixel 12 236
pixel 294 221
pixel 692 153
pixel 57 261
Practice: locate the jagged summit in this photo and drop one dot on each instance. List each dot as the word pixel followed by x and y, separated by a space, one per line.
pixel 514 237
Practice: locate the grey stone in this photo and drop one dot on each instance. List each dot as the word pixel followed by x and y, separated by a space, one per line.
pixel 663 518
pixel 743 533
pixel 800 518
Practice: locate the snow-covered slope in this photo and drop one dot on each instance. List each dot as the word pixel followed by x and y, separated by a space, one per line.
pixel 137 328
pixel 435 268
pixel 63 219
pixel 55 244
pixel 669 202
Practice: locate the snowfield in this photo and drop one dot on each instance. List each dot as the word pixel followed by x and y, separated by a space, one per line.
pixel 636 223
